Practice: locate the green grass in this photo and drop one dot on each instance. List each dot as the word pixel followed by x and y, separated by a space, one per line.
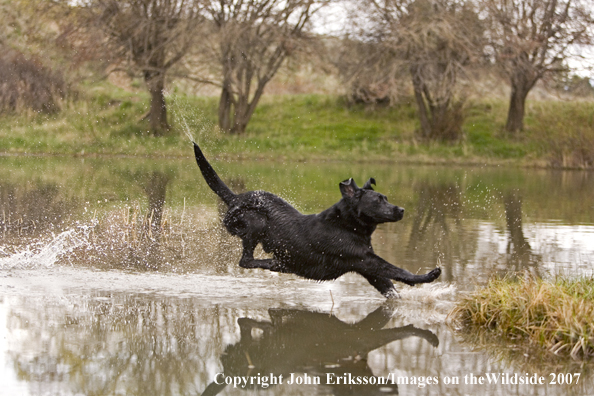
pixel 564 131
pixel 554 314
pixel 107 121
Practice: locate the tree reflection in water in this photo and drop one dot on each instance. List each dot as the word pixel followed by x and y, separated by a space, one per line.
pixel 437 235
pixel 116 344
pixel 519 253
pixel 27 211
pixel 440 234
pixel 155 188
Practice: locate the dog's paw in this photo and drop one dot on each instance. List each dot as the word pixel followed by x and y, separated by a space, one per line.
pixel 432 339
pixel 434 273
pixel 392 295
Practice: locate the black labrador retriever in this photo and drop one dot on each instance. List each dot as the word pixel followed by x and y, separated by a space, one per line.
pixel 322 246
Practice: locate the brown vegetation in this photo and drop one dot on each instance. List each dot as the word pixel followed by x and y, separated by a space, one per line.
pixel 555 314
pixel 25 83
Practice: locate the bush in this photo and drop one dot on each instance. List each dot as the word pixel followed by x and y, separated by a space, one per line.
pixel 566 131
pixel 26 84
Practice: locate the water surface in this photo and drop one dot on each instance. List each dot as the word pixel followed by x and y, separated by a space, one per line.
pixel 116 277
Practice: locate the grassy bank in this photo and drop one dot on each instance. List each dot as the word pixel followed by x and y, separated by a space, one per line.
pixel 107 121
pixel 554 314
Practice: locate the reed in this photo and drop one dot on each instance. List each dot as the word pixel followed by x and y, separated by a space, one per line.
pixel 555 313
pixel 130 237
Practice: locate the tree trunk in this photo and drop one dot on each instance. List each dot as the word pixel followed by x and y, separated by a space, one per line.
pixel 423 114
pixel 240 116
pixel 225 108
pixel 236 113
pixel 245 109
pixel 520 87
pixel 158 111
pixel 239 124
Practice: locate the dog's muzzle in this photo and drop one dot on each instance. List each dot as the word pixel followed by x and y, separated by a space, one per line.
pixel 398 213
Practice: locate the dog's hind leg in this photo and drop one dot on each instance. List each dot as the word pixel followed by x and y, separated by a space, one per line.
pixel 248 261
pixel 247 256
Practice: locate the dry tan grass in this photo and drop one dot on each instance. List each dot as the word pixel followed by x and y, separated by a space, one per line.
pixel 556 314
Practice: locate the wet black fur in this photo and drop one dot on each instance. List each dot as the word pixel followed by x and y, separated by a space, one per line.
pixel 322 246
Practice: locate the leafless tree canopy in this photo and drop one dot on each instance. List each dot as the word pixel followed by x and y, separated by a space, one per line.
pixel 531 38
pixel 370 72
pixel 251 40
pixel 434 40
pixel 239 45
pixel 152 35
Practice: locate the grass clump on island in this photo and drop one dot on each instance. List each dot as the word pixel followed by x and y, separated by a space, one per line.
pixel 557 314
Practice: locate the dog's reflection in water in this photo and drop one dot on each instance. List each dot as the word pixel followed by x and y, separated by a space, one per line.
pixel 306 346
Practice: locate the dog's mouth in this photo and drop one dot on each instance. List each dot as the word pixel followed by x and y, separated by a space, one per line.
pixel 398 213
pixel 388 215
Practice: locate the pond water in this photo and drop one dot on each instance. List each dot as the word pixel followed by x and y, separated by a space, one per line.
pixel 116 278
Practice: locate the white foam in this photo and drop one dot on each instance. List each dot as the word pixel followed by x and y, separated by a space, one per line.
pixel 43 253
pixel 429 292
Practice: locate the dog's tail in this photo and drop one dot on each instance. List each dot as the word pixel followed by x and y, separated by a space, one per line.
pixel 212 179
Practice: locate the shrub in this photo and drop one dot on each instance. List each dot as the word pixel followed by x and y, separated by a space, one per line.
pixel 566 130
pixel 26 84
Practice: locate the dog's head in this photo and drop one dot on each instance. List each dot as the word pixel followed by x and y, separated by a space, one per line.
pixel 369 205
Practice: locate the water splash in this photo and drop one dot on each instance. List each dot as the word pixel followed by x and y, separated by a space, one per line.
pixel 186 129
pixel 430 292
pixel 187 115
pixel 428 303
pixel 44 254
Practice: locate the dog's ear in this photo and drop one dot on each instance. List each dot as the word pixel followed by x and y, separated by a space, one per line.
pixel 348 188
pixel 368 183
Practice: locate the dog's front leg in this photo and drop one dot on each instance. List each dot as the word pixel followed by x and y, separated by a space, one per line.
pixel 383 285
pixel 376 266
pixel 377 319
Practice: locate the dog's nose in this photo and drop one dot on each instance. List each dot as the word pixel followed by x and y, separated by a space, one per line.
pixel 400 211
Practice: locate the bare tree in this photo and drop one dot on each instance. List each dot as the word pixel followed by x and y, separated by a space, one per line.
pixel 152 35
pixel 435 40
pixel 252 39
pixel 532 38
pixel 369 71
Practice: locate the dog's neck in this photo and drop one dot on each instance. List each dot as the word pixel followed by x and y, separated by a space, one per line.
pixel 344 216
